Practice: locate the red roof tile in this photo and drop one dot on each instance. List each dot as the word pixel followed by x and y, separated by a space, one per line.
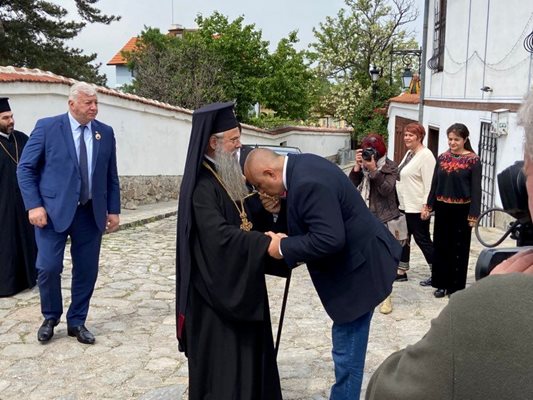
pixel 118 59
pixel 15 74
pixel 406 98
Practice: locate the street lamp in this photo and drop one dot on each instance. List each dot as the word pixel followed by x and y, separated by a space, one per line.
pixel 407 77
pixel 407 56
pixel 374 73
pixel 374 76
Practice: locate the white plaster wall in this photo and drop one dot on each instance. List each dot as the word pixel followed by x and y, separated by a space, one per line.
pixel 325 144
pixel 477 31
pixel 151 140
pixel 123 75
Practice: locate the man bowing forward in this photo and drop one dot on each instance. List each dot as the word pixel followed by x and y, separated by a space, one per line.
pixel 69 182
pixel 350 254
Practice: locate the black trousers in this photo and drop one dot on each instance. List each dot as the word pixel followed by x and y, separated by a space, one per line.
pixel 451 235
pixel 419 229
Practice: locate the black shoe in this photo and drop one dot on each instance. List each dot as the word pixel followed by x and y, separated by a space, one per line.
pixel 82 334
pixel 426 282
pixel 46 331
pixel 439 293
pixel 401 277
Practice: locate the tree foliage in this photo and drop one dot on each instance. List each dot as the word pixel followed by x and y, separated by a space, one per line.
pixel 33 34
pixel 362 34
pixel 290 85
pixel 243 53
pixel 183 72
pixel 223 61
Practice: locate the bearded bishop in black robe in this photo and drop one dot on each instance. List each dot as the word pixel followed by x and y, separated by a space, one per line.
pixel 223 317
pixel 17 245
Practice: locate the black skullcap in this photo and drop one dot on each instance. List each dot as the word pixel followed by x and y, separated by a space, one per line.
pixel 221 114
pixel 4 104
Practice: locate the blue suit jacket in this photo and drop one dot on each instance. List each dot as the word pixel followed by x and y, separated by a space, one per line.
pixel 351 256
pixel 49 174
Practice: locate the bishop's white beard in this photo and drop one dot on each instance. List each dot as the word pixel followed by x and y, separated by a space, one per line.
pixel 230 173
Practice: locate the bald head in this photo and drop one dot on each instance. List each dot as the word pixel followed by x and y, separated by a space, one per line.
pixel 264 169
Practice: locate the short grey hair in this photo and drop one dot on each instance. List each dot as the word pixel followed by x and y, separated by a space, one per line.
pixel 81 87
pixel 525 120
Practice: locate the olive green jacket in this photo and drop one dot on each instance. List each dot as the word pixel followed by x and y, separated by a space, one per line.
pixel 480 347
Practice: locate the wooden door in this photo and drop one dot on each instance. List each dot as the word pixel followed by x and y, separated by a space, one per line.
pixel 399 145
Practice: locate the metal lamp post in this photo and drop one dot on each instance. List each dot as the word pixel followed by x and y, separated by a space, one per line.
pixel 407 56
pixel 374 76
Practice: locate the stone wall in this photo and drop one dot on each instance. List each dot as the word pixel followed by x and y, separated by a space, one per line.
pixel 141 190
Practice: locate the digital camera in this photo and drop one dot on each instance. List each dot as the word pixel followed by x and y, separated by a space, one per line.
pixel 513 193
pixel 368 152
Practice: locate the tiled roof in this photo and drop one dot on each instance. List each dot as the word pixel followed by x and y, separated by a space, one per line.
pixel 406 98
pixel 15 74
pixel 117 58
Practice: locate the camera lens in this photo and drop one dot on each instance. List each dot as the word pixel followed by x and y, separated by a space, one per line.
pixel 368 153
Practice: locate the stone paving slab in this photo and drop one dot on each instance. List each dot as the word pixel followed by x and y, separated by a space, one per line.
pixel 132 316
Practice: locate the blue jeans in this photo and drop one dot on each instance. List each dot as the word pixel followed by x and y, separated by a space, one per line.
pixel 349 351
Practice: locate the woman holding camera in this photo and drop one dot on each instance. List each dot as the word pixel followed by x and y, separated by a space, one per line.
pixel 455 197
pixel 375 176
pixel 415 174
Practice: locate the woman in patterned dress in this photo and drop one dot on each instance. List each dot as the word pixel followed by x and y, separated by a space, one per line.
pixel 455 197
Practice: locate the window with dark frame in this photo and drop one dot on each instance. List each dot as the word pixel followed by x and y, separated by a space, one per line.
pixel 436 62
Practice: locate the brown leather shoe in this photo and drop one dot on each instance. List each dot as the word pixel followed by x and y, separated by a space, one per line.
pixel 46 331
pixel 82 334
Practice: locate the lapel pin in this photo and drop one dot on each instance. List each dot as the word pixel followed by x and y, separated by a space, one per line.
pixel 97 135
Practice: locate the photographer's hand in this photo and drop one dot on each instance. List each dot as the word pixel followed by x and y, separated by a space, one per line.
pixel 520 262
pixel 358 160
pixel 370 165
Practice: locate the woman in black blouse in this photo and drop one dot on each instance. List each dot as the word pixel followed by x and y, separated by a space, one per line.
pixel 455 197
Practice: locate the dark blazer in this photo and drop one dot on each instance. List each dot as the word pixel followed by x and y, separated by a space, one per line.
pixel 49 174
pixel 351 256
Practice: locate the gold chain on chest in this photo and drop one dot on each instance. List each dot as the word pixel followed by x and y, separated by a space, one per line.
pixel 16 158
pixel 246 224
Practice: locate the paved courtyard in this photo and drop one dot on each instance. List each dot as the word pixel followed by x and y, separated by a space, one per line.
pixel 132 316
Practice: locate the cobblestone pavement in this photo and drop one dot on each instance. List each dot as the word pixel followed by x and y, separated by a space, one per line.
pixel 132 316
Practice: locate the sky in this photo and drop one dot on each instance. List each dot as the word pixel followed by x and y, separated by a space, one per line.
pixel 275 18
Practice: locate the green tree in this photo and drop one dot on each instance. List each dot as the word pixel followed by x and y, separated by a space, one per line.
pixel 360 35
pixel 33 34
pixel 289 87
pixel 223 61
pixel 244 54
pixel 178 71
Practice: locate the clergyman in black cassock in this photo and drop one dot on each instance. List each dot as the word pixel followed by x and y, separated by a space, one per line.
pixel 17 247
pixel 223 318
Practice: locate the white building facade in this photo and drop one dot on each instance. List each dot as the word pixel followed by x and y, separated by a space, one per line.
pixel 479 67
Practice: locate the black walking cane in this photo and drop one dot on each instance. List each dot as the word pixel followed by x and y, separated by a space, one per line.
pixel 282 314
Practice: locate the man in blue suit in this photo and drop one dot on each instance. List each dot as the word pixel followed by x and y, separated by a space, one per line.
pixel 69 182
pixel 351 256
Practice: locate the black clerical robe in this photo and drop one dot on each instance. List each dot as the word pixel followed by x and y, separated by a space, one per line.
pixel 17 245
pixel 228 331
